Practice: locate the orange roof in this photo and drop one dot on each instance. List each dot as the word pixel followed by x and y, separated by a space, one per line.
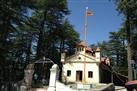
pixel 88 49
pixel 131 82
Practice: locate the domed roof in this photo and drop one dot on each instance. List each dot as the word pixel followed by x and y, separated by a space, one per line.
pixel 98 49
pixel 81 44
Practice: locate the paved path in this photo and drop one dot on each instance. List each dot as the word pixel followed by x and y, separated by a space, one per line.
pixel 120 88
pixel 61 87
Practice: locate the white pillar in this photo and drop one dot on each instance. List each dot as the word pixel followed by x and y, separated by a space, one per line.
pixel 97 53
pixel 53 74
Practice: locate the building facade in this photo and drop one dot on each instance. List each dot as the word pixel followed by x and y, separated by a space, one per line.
pixel 73 66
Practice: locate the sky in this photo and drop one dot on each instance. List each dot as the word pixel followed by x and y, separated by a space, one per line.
pixel 105 19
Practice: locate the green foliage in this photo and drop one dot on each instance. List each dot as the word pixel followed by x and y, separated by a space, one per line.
pixel 32 29
pixel 129 9
pixel 117 44
pixel 12 14
pixel 115 49
pixel 105 50
pixel 52 15
pixel 104 46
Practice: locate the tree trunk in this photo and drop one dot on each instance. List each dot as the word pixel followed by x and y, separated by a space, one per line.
pixel 28 52
pixel 129 50
pixel 129 62
pixel 40 46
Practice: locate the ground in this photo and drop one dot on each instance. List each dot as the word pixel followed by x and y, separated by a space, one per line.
pixel 119 88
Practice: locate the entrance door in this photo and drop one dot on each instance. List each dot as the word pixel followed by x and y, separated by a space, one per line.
pixel 79 76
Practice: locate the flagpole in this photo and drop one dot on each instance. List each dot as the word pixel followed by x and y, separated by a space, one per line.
pixel 85 32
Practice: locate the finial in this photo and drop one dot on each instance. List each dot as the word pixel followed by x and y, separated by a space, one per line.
pixel 86 7
pixel 98 49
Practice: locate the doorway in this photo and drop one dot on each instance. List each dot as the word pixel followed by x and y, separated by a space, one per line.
pixel 79 76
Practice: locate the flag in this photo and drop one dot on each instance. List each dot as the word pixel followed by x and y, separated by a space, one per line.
pixel 89 13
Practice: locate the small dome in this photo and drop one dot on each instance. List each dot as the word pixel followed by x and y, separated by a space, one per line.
pixel 81 44
pixel 98 49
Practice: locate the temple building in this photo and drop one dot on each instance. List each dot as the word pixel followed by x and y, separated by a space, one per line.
pixel 73 66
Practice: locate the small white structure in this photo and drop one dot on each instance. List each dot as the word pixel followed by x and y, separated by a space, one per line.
pixel 53 74
pixel 73 66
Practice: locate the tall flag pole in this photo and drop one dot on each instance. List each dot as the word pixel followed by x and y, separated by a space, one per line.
pixel 87 13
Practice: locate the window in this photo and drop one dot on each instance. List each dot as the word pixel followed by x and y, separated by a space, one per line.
pixel 82 49
pixel 68 73
pixel 90 74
